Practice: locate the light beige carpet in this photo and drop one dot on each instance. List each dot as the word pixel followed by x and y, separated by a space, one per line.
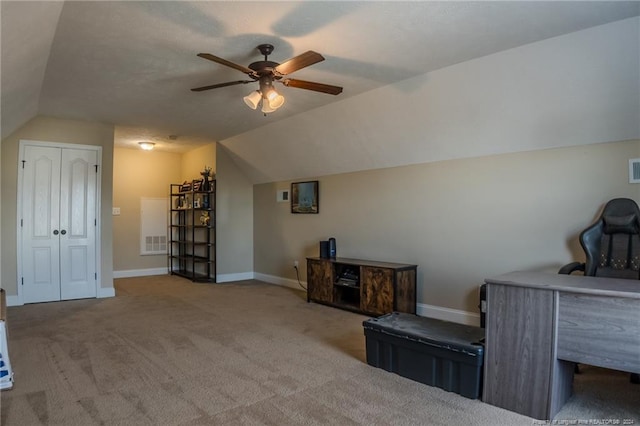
pixel 166 351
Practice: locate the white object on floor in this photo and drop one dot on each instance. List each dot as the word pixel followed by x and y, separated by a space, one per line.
pixel 6 374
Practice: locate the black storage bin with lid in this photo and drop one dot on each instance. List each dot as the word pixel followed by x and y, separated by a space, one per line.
pixel 430 351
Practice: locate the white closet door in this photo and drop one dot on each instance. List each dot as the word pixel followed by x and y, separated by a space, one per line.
pixel 78 179
pixel 59 199
pixel 40 232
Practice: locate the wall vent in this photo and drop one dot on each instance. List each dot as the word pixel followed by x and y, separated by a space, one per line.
pixel 153 225
pixel 634 170
pixel 156 244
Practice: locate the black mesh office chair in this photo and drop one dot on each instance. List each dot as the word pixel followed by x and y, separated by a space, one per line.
pixel 612 246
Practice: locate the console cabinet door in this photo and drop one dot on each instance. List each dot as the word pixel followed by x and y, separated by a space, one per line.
pixel 320 281
pixel 377 290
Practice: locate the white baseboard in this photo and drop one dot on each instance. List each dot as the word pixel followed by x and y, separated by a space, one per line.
pixel 102 293
pixel 240 276
pixel 139 272
pixel 285 282
pixel 448 314
pixel 106 292
pixel 221 278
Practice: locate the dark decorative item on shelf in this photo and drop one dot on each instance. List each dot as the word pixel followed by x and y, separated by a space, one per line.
pixel 304 197
pixel 185 187
pixel 206 186
pixel 206 174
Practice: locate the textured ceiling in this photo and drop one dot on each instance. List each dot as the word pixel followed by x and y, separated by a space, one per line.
pixel 132 63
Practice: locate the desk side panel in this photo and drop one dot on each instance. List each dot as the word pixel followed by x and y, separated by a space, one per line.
pixel 519 349
pixel 601 331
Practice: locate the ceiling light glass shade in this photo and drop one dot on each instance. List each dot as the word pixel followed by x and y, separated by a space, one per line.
pixel 147 146
pixel 276 100
pixel 253 99
pixel 266 106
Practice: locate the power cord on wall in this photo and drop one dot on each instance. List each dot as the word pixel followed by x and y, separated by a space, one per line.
pixel 298 276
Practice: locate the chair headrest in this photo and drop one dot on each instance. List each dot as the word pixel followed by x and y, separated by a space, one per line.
pixel 621 224
pixel 621 216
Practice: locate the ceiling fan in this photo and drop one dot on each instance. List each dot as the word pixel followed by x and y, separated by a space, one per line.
pixel 266 73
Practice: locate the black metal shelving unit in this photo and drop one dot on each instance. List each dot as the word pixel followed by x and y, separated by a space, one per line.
pixel 192 248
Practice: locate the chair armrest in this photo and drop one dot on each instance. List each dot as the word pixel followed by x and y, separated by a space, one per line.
pixel 571 267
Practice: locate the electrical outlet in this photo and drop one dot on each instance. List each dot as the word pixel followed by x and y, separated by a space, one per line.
pixel 295 263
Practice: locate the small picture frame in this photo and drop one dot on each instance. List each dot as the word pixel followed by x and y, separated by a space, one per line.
pixel 196 203
pixel 304 197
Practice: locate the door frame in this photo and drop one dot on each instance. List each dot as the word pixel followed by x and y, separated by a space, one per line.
pixel 21 147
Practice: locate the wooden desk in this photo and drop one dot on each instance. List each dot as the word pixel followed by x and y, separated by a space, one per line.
pixel 539 324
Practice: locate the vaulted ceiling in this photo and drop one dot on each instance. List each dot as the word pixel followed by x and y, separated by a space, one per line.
pixel 132 63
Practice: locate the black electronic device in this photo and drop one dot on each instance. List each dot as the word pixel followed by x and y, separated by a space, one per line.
pixel 332 248
pixel 324 249
pixel 349 277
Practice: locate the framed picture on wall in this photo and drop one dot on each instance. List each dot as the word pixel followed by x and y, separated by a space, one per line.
pixel 304 197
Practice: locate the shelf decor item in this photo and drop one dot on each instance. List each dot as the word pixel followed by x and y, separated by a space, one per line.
pixel 206 174
pixel 206 185
pixel 205 218
pixel 304 197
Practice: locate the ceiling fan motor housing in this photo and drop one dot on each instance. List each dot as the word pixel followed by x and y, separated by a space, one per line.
pixel 263 68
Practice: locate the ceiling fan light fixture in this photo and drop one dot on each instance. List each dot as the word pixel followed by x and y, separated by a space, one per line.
pixel 266 106
pixel 147 146
pixel 275 99
pixel 253 99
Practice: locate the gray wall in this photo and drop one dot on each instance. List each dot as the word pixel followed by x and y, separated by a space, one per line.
pixel 234 220
pixel 460 221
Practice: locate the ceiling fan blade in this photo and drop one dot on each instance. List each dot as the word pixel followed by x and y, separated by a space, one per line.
pixel 221 61
pixel 299 62
pixel 215 86
pixel 310 85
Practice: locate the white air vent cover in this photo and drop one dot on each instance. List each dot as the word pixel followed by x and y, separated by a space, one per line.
pixel 153 225
pixel 634 170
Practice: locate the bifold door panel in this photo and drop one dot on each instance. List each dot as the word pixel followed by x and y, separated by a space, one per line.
pixel 58 232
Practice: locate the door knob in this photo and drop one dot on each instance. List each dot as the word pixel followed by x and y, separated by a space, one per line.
pixel 63 232
pixel 55 232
